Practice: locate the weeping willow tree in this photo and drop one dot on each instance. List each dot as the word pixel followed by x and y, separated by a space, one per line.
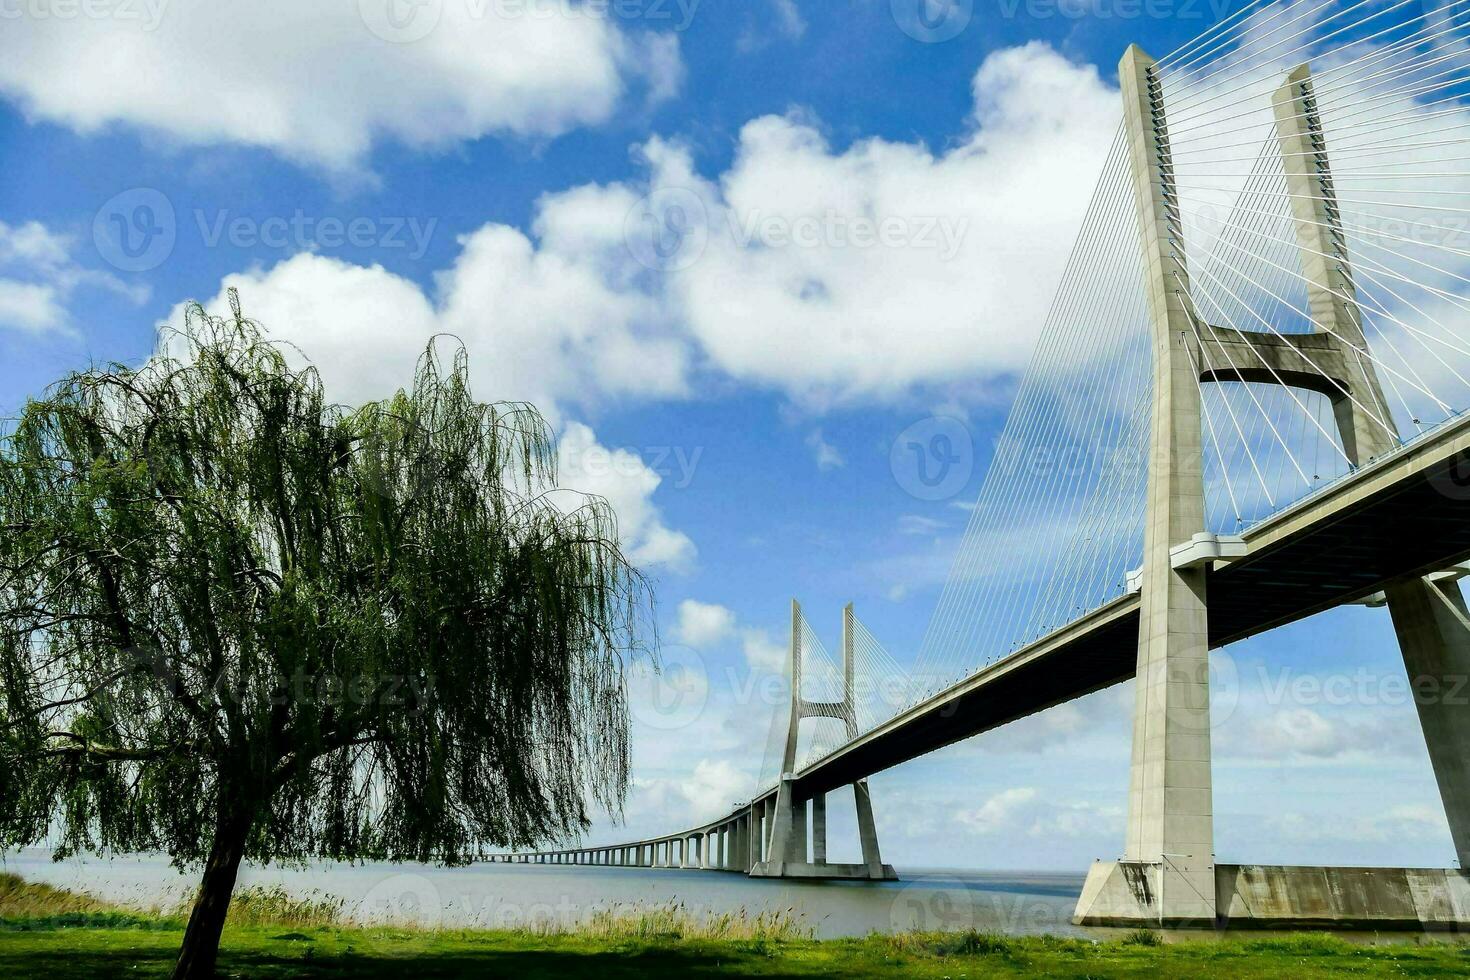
pixel 238 622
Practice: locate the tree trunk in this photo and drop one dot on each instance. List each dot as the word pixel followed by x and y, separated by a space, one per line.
pixel 201 938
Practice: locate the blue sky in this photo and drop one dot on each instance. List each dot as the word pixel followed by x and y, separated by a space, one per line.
pixel 486 168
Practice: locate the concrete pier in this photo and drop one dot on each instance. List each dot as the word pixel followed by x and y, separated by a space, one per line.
pixel 1168 875
pixel 1278 897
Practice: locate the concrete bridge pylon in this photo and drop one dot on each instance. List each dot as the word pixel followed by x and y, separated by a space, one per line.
pixel 1168 874
pixel 782 851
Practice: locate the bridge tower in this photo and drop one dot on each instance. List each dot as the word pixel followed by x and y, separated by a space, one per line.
pixel 785 835
pixel 1168 873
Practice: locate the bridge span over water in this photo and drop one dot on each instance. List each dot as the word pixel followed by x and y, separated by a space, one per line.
pixel 1279 375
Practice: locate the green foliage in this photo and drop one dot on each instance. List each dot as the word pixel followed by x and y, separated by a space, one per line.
pixel 973 943
pixel 29 906
pixel 1301 944
pixel 665 940
pixel 675 921
pixel 266 952
pixel 236 619
pixel 1143 937
pixel 272 905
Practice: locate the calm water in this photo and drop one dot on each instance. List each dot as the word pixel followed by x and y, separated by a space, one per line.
pixel 510 895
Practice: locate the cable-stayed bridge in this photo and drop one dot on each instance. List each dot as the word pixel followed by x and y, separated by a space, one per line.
pixel 1247 406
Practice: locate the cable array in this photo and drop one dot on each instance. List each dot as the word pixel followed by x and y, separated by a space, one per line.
pixel 1316 162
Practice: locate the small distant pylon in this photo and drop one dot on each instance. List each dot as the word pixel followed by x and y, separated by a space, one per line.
pixel 785 841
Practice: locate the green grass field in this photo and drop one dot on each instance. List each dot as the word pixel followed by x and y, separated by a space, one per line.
pixel 58 935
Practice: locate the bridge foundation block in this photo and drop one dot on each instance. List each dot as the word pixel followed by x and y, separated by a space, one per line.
pixel 1127 893
pixel 787 844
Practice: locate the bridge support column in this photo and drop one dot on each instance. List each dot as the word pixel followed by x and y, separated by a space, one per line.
pixel 1167 874
pixel 868 832
pixel 819 828
pixel 750 840
pixel 1429 616
pixel 1433 627
pixel 786 856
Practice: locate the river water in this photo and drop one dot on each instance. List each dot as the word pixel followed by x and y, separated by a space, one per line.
pixel 506 895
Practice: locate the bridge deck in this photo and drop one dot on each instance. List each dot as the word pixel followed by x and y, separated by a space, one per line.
pixel 1406 514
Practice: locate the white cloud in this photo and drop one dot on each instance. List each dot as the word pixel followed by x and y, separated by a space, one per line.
pixel 38 274
pixel 828 457
pixel 789 18
pixel 30 307
pixel 709 789
pixel 781 19
pixel 529 340
pixel 568 313
pixel 917 524
pixel 860 274
pixel 998 813
pixel 1398 823
pixel 703 624
pixel 763 654
pixel 699 770
pixel 33 244
pixel 542 324
pixel 1023 810
pixel 628 484
pixel 322 83
pixel 1309 733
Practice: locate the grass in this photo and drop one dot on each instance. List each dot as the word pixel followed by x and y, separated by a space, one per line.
pixel 62 935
